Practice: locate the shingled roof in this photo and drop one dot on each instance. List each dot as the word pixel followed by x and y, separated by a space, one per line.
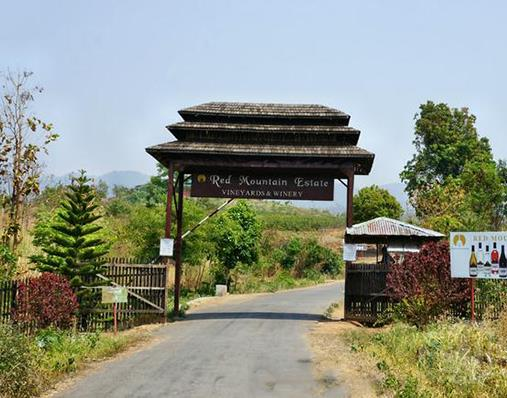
pixel 276 135
pixel 297 113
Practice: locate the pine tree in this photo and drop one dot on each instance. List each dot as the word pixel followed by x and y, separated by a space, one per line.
pixel 72 248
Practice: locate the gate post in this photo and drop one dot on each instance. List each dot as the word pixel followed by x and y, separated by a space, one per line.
pixel 350 219
pixel 178 243
pixel 167 235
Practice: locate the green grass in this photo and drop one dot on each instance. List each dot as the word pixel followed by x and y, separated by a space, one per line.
pixel 31 364
pixel 446 359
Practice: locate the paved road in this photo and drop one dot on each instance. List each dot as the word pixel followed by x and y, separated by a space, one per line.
pixel 254 348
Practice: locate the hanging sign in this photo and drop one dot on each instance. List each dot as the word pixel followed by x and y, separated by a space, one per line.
pixel 166 247
pixel 262 187
pixel 114 294
pixel 479 255
pixel 349 252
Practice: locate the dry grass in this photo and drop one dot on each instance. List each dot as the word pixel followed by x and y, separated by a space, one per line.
pixel 445 359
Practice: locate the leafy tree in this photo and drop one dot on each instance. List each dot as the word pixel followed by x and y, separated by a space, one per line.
pixel 452 180
pixel 442 207
pixel 445 140
pixel 71 247
pixel 501 213
pixel 236 234
pixel 23 137
pixel 372 202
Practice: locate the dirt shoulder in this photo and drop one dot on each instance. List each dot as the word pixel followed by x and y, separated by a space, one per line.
pixel 335 365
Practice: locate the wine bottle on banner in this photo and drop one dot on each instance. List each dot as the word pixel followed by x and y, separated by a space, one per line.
pixel 494 260
pixel 487 262
pixel 480 260
pixel 472 265
pixel 503 264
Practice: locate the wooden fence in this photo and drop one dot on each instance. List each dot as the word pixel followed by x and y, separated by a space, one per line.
pixel 147 295
pixel 8 291
pixel 365 292
pixel 366 298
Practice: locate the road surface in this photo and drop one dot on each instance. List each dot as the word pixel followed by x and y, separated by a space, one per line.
pixel 239 348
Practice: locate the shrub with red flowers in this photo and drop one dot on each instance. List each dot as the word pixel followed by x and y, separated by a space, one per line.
pixel 45 301
pixel 423 285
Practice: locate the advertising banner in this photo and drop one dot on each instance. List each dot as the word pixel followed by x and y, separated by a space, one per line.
pixel 262 187
pixel 479 255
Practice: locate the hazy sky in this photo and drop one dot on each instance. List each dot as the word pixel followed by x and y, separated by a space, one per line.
pixel 116 72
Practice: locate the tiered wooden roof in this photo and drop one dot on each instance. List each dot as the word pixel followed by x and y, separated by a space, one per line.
pixel 247 136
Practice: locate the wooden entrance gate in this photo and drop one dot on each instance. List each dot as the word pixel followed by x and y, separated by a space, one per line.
pixel 263 140
pixel 147 295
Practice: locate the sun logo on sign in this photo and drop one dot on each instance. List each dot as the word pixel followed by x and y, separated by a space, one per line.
pixel 459 238
pixel 201 178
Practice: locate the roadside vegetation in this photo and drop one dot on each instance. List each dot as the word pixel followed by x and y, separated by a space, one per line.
pixel 31 364
pixel 445 359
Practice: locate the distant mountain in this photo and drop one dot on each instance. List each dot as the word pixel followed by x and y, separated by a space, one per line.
pixel 125 178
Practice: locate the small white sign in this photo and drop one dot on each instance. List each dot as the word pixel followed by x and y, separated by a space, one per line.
pixel 361 248
pixel 349 252
pixel 479 255
pixel 166 247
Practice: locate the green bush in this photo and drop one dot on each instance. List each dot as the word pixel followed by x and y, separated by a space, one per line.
pixel 320 258
pixel 236 234
pixel 289 254
pixel 19 375
pixel 8 263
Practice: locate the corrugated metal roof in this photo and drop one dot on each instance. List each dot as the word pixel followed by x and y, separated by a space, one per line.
pixel 383 226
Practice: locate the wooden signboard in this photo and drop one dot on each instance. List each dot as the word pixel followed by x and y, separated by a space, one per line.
pixel 262 187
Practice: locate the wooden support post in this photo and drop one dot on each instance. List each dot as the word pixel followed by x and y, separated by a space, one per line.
pixel 168 208
pixel 167 235
pixel 350 220
pixel 115 319
pixel 472 299
pixel 178 243
pixel 350 198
